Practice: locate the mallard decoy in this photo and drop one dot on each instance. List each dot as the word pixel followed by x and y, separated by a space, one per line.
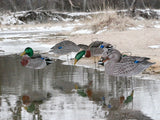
pixel 34 61
pixel 118 65
pixel 95 44
pixel 88 53
pixel 65 47
pixel 93 50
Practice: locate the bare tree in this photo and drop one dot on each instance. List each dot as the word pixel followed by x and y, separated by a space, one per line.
pixel 104 4
pixel 133 6
pixel 143 3
pixel 13 6
pixel 30 4
pixel 84 5
pixel 62 2
pixel 127 3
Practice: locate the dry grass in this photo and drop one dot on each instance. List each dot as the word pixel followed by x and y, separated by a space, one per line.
pixel 112 21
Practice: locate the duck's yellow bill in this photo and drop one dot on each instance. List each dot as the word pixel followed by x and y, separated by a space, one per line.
pixel 23 53
pixel 75 61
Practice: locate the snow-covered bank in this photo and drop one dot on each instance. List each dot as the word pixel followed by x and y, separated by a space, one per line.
pixel 74 23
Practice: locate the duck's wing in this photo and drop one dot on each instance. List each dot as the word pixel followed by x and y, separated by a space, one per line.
pixel 133 59
pixel 95 44
pixel 130 68
pixel 65 47
pixel 96 51
pixel 83 46
pixel 37 63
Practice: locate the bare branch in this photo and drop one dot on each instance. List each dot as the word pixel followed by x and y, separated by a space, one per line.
pixel 71 3
pixel 133 6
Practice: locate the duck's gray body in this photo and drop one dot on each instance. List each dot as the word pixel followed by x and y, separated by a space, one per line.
pixel 119 65
pixel 65 47
pixel 35 62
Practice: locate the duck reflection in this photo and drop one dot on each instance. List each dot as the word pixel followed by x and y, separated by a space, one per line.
pixel 120 105
pixel 32 100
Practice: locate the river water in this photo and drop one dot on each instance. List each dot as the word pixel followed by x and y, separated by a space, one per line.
pixel 66 92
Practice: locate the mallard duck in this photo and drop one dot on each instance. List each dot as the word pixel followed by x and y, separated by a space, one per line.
pixel 93 50
pixel 118 65
pixel 34 61
pixel 88 53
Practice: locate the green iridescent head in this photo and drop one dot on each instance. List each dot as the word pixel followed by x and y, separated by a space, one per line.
pixel 79 55
pixel 28 51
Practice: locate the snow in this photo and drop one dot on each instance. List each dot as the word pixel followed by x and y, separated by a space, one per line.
pixel 154 46
pixel 83 31
pixel 139 27
pixel 32 29
pixel 10 46
pixel 9 19
pixel 157 26
pixel 84 13
pixel 101 31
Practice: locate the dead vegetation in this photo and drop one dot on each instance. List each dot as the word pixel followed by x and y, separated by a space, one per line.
pixel 111 21
pixel 94 21
pixel 114 21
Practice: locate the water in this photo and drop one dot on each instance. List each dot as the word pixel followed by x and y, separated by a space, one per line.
pixel 52 94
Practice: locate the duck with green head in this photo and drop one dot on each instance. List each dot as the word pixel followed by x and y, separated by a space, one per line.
pixel 28 51
pixel 34 61
pixel 95 49
pixel 79 55
pixel 92 52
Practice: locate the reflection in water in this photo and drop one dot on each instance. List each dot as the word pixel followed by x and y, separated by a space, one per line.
pixel 70 92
